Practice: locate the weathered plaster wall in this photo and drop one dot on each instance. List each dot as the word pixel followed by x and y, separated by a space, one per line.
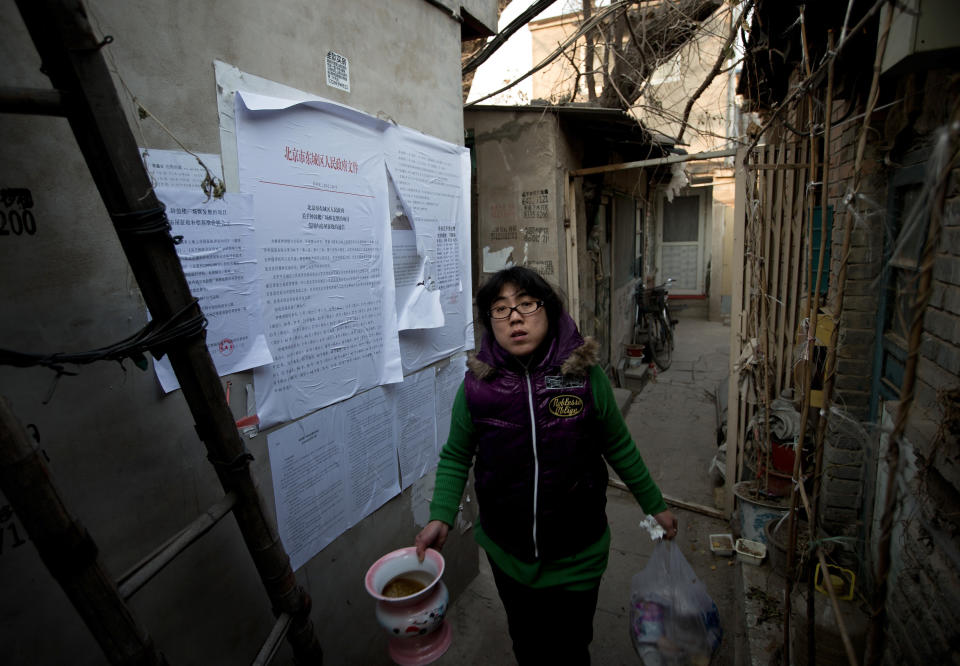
pixel 125 456
pixel 520 203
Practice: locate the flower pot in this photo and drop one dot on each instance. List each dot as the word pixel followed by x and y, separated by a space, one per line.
pixel 411 604
pixel 755 510
pixel 777 535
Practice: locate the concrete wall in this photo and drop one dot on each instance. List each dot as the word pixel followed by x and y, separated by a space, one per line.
pixel 125 456
pixel 519 152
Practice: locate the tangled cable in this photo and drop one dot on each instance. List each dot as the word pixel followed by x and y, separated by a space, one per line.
pixel 156 337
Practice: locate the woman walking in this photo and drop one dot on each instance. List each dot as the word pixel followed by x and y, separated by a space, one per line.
pixel 537 418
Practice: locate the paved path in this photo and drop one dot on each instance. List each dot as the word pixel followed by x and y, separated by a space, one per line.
pixel 673 419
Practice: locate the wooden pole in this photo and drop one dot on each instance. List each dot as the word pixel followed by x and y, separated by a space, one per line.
pixel 67 550
pixel 813 293
pixel 734 444
pixel 71 56
pixel 828 585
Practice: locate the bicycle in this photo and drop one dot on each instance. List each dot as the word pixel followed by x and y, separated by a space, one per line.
pixel 653 323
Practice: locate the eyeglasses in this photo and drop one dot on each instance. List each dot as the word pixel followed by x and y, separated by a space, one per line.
pixel 523 308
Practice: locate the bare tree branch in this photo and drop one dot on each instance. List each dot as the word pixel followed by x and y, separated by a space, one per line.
pixel 715 70
pixel 667 26
pixel 615 6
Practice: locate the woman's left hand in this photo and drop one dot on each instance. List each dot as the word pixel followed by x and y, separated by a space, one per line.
pixel 668 522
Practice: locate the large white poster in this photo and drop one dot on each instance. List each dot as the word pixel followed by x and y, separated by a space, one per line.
pixel 432 179
pixel 316 172
pixel 309 469
pixel 414 408
pixel 331 470
pixel 218 255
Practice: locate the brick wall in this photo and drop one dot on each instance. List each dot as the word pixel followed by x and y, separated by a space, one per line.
pixel 923 603
pixel 924 599
pixel 857 332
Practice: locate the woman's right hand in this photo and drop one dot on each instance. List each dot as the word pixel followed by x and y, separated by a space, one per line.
pixel 433 535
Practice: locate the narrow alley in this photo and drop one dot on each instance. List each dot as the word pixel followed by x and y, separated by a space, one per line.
pixel 248 249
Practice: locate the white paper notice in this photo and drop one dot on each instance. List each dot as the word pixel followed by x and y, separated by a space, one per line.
pixel 317 175
pixel 432 179
pixel 414 407
pixel 449 378
pixel 418 296
pixel 218 257
pixel 338 71
pixel 180 169
pixel 308 462
pixel 331 470
pixel 371 452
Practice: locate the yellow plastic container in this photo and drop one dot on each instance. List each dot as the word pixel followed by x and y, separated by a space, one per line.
pixel 842 580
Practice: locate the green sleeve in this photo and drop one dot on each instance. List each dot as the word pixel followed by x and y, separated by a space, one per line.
pixel 456 457
pixel 621 451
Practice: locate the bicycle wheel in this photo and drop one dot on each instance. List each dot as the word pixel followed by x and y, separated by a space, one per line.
pixel 661 338
pixel 652 330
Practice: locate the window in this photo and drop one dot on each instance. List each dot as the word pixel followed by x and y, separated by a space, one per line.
pixel 815 249
pixel 903 245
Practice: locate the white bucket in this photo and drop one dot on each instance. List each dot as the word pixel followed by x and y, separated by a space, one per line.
pixel 755 511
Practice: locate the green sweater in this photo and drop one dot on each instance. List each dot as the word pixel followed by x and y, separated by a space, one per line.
pixel 578 571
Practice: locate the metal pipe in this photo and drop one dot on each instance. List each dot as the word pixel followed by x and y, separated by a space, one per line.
pixel 141 573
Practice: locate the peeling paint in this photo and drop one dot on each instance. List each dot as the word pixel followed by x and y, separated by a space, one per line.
pixel 497 260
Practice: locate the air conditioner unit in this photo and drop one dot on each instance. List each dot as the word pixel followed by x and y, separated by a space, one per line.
pixel 924 33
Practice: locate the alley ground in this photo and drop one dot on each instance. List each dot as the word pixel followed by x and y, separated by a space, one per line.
pixel 673 422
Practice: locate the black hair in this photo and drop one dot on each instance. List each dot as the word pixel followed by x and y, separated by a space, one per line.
pixel 524 279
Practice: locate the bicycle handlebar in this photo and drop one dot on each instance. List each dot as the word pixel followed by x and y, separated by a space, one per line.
pixel 659 287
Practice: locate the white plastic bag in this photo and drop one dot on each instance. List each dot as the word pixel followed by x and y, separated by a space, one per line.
pixel 673 620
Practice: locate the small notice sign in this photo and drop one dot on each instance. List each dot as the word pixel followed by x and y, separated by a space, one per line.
pixel 338 71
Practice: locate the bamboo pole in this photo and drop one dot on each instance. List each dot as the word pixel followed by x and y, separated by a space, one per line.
pixel 142 572
pixel 734 422
pixel 67 549
pixel 828 585
pixel 762 259
pixel 831 348
pixel 813 306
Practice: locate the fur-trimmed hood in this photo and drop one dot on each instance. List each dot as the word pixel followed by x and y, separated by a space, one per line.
pixel 568 349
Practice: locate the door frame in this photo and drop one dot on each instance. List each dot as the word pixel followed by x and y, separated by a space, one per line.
pixel 703 214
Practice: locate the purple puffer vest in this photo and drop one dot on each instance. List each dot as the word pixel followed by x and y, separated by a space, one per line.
pixel 540 476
